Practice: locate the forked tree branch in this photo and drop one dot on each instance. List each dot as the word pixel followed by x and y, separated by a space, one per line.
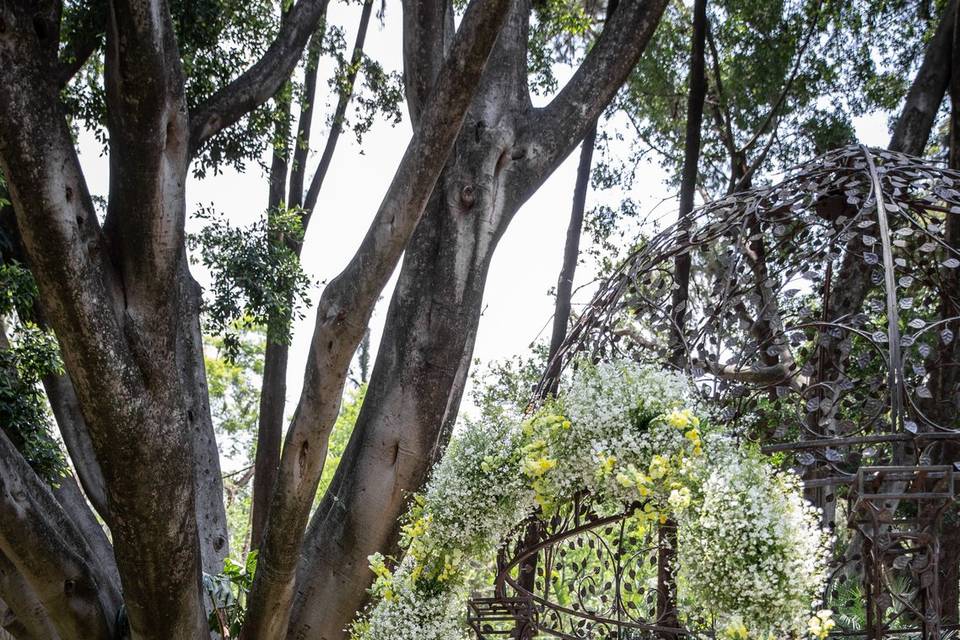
pixel 261 81
pixel 427 29
pixel 52 556
pixel 557 128
pixel 344 310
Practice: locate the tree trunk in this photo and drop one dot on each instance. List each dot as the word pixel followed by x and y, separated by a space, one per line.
pixel 945 385
pixel 344 311
pixel 667 532
pixel 571 254
pixel 273 388
pixel 504 152
pixel 688 179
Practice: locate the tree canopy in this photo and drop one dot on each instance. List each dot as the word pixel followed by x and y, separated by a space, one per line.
pixel 156 481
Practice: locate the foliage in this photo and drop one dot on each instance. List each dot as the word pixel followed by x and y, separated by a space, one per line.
pixel 257 279
pixel 216 39
pixel 17 288
pixel 228 592
pixel 557 33
pixel 31 354
pixel 506 385
pixel 620 432
pixel 379 97
pixel 234 392
pixel 340 435
pixel 234 387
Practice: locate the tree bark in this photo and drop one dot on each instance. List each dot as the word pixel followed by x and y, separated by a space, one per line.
pixel 273 388
pixel 50 554
pixel 912 129
pixel 945 381
pixel 667 532
pixel 21 613
pixel 344 311
pixel 571 254
pixel 688 179
pixel 504 153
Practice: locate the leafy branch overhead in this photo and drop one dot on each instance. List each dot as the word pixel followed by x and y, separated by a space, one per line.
pixel 257 279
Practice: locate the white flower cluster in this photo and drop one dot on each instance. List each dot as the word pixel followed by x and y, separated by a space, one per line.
pixel 752 554
pixel 475 497
pixel 406 612
pixel 750 549
pixel 620 433
pixel 476 492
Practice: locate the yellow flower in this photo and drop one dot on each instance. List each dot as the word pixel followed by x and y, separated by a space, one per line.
pixel 605 464
pixel 624 480
pixel 416 528
pixel 821 624
pixel 658 467
pixel 736 630
pixel 378 567
pixel 681 419
pixel 535 468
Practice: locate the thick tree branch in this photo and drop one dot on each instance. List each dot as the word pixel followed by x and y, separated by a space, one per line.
pixel 912 129
pixel 345 308
pixel 59 389
pixel 427 32
pixel 73 430
pixel 274 387
pixel 556 129
pixel 261 81
pixel 118 345
pixel 45 548
pixel 21 613
pixel 74 503
pixel 146 118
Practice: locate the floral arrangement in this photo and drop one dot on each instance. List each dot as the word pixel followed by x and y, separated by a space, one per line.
pixel 624 433
pixel 752 554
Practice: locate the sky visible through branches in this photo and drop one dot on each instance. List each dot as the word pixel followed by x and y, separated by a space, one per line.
pixel 518 304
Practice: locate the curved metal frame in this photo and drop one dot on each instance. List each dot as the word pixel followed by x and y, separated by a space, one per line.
pixel 856 393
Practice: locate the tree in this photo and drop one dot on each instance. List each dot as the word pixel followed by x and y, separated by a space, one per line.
pixel 120 299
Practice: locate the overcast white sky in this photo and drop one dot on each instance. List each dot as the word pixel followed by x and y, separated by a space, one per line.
pixel 517 304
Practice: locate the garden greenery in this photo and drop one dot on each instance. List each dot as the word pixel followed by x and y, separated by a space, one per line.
pixel 750 549
pixel 27 355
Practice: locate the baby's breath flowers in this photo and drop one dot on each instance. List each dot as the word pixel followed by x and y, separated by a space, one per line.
pixel 752 553
pixel 624 433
